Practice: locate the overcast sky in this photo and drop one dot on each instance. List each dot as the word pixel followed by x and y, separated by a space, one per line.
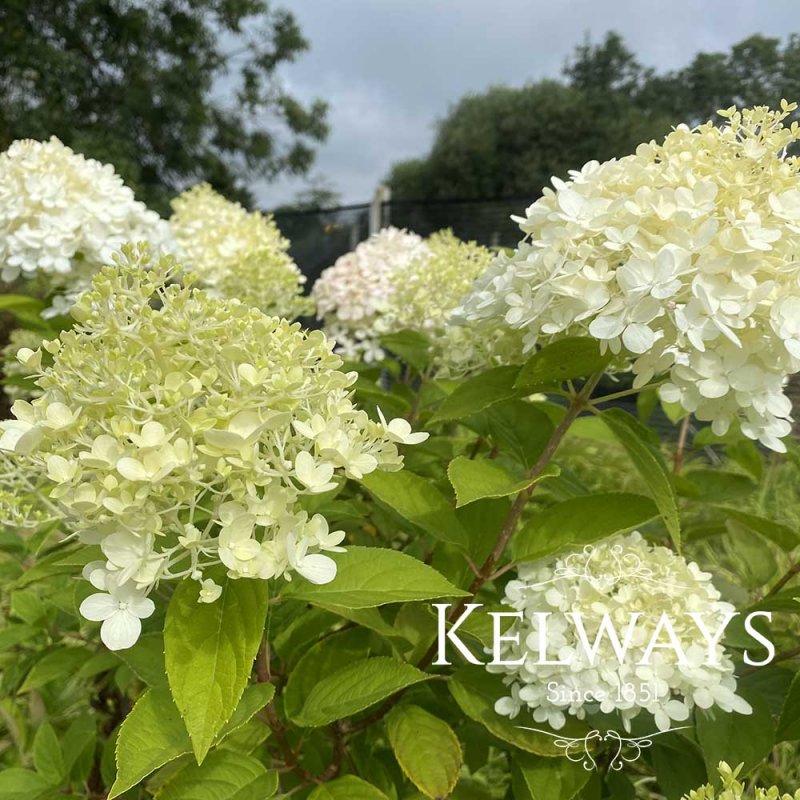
pixel 390 68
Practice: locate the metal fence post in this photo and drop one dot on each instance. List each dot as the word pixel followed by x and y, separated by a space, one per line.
pixel 380 197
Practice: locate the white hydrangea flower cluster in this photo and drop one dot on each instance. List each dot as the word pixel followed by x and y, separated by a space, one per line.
pixel 422 296
pixel 62 215
pixel 180 432
pixel 238 254
pixel 18 339
pixel 732 789
pixel 352 295
pixel 619 577
pixel 684 257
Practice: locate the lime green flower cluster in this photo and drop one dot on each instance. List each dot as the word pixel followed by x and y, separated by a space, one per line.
pixel 12 368
pixel 180 431
pixel 423 296
pixel 732 789
pixel 238 254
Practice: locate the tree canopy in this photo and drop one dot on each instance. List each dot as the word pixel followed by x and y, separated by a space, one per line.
pixel 509 141
pixel 170 91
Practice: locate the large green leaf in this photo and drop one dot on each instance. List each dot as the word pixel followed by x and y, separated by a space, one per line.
pixel 153 734
pixel 649 462
pixel 355 687
pixel 347 788
pixel 146 659
pixel 537 778
pixel 48 758
pixel 478 393
pixel 735 738
pixel 20 302
pixel 416 499
pixel 563 360
pixel 224 775
pixel 476 692
pixel 57 664
pixel 374 576
pixel 789 724
pixel 782 535
pixel 580 521
pixel 479 478
pixel 209 650
pixel 413 347
pixel 22 784
pixel 426 749
pixel 326 656
pixel 520 429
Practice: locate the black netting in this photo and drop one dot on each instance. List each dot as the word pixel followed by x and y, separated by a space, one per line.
pixel 320 237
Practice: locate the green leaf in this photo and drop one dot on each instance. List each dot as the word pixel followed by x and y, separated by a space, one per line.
pixel 15 634
pixel 476 692
pixel 21 784
pixel 58 664
pixel 326 656
pixel 789 723
pixel 580 521
pixel 47 755
pixel 426 749
pixel 647 458
pixel 520 429
pixel 537 778
pixel 416 499
pixel 678 764
pixel 153 734
pixel 224 775
pixel 735 738
pixel 146 659
pixel 476 479
pixel 373 576
pixel 478 393
pixel 563 360
pixel 413 347
pixel 19 302
pixel 209 650
pixel 356 687
pixel 347 788
pixel 782 535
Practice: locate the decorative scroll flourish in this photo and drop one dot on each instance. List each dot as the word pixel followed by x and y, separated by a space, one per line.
pixel 579 750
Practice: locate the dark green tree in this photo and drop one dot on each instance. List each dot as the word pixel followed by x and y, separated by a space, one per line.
pixel 170 91
pixel 509 141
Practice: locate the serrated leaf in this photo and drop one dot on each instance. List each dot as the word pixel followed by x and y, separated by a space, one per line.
pixel 348 787
pixel 354 688
pixel 478 393
pixel 562 360
pixel 520 429
pixel 146 659
pixel 153 734
pixel 426 748
pixel 479 478
pixel 373 576
pixel 60 663
pixel 476 692
pixel 580 521
pixel 782 535
pixel 537 778
pixel 209 649
pixel 224 775
pixel 416 499
pixel 649 462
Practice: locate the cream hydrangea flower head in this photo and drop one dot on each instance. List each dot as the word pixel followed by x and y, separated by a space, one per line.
pixel 179 432
pixel 422 296
pixel 619 577
pixel 732 789
pixel 63 215
pixel 352 295
pixel 238 254
pixel 684 257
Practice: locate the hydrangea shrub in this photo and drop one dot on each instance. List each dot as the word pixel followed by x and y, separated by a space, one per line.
pixel 303 575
